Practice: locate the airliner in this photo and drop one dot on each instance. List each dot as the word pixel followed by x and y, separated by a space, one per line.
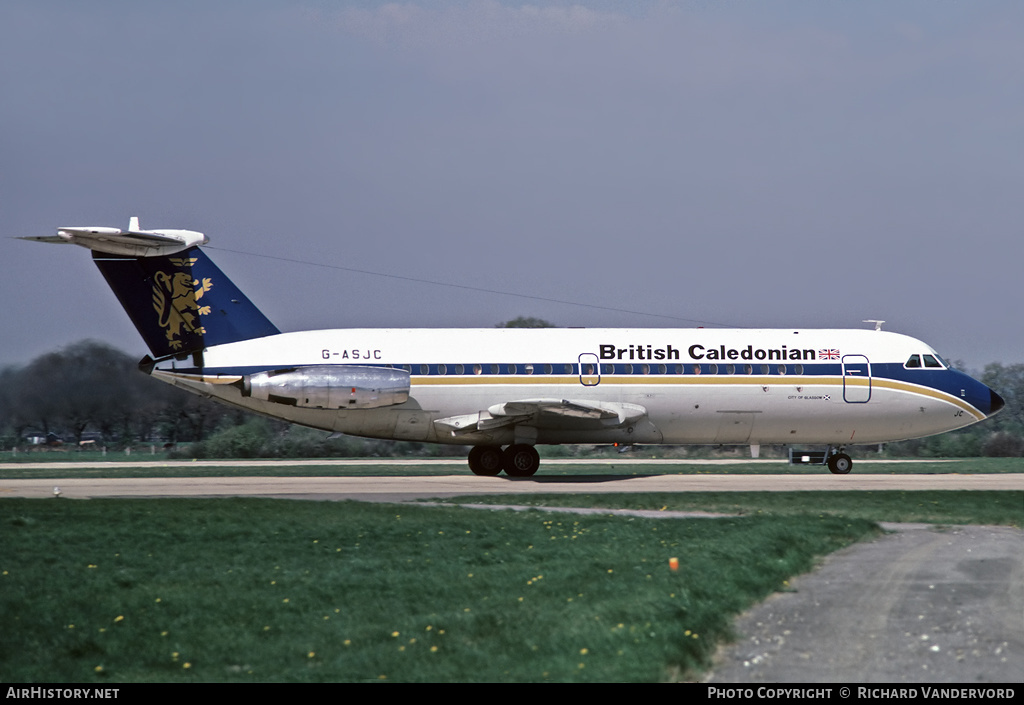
pixel 504 391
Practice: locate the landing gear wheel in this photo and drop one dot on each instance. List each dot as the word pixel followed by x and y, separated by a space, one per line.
pixel 840 464
pixel 520 460
pixel 485 460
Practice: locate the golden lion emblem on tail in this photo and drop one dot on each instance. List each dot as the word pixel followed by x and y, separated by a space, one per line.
pixel 176 302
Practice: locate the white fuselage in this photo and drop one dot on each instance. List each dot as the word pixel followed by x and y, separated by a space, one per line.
pixel 695 386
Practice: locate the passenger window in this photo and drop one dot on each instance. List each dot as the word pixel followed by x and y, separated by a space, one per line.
pixel 730 369
pixel 930 361
pixel 913 362
pixel 628 368
pixel 645 369
pixel 460 369
pixel 477 369
pixel 424 369
pixel 442 369
pixel 662 369
pixel 782 369
pixel 798 369
pixel 713 369
pixel 495 369
pixel 528 369
pixel 696 369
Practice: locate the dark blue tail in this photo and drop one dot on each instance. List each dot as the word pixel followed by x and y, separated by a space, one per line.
pixel 182 303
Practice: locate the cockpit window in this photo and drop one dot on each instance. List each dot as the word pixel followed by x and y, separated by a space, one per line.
pixel 933 362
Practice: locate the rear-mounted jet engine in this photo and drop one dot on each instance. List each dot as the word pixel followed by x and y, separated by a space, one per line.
pixel 330 387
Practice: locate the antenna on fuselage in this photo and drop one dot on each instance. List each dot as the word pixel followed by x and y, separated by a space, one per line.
pixel 878 324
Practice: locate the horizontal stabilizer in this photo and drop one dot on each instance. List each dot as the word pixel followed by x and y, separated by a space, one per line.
pixel 117 235
pixel 132 242
pixel 52 239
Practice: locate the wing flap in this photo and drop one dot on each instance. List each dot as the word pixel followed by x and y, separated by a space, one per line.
pixel 481 421
pixel 544 414
pixel 553 412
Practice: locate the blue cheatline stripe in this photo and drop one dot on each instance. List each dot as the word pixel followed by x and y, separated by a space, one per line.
pixel 895 371
pixel 553 369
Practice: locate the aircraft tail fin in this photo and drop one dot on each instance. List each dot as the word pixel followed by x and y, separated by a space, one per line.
pixel 181 303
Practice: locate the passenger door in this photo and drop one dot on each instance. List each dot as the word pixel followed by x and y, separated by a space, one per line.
pixel 590 370
pixel 856 379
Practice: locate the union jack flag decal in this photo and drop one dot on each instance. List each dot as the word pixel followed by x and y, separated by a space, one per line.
pixel 828 354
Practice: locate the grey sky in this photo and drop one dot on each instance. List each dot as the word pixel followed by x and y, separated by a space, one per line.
pixel 758 164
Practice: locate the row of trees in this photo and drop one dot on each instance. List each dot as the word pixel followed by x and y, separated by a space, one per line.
pixel 91 390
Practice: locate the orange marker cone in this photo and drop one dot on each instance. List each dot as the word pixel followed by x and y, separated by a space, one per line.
pixel 673 564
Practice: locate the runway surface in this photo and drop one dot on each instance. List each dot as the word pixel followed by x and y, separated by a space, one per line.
pixel 389 489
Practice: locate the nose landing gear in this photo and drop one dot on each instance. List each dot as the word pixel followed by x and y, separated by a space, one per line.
pixel 839 463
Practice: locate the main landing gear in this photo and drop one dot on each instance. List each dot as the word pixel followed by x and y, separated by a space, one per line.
pixel 839 463
pixel 519 460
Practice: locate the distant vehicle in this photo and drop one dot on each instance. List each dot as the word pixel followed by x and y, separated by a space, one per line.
pixel 504 391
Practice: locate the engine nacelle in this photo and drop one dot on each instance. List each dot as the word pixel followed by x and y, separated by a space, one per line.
pixel 330 387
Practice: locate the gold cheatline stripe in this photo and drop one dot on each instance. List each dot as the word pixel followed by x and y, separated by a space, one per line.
pixel 745 380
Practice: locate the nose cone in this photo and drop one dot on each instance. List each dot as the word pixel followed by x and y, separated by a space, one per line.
pixel 979 395
pixel 995 403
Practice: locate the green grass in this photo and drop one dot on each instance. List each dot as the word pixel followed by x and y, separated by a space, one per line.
pixel 276 590
pixel 1004 507
pixel 457 466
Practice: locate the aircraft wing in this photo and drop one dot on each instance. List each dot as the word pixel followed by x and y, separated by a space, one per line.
pixel 545 413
